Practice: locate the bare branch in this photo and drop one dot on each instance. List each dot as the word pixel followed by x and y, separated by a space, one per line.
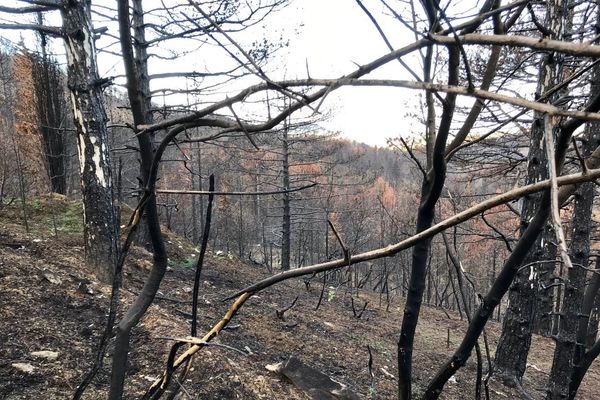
pixel 207 193
pixel 49 30
pixel 28 9
pixel 554 202
pixel 575 49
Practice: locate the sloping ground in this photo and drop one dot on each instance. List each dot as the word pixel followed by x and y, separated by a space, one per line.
pixel 48 302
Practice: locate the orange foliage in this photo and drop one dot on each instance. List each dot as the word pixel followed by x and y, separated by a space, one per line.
pixel 26 126
pixel 305 169
pixel 384 192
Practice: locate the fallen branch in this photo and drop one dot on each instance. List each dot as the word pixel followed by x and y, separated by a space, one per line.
pixel 357 315
pixel 208 192
pixel 281 314
pixel 567 181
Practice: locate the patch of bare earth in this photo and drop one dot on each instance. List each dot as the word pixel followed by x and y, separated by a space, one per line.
pixel 49 302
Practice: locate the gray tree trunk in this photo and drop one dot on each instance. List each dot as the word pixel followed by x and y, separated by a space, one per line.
pixel 141 65
pixel 85 87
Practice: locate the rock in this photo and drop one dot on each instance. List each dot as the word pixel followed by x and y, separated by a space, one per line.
pixel 45 354
pixel 315 383
pixel 23 367
pixel 274 367
pixel 84 288
pixel 52 278
pixel 386 372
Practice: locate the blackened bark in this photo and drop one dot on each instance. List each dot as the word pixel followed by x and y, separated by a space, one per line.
pixel 592 331
pixel 581 360
pixel 146 296
pixel 547 293
pixel 85 87
pixel 144 112
pixel 531 292
pixel 50 109
pixel 200 261
pixel 574 282
pixel 286 221
pixel 514 343
pixel 430 193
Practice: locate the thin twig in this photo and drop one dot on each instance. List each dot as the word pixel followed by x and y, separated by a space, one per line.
pixel 412 155
pixel 339 238
pixel 208 192
pixel 243 127
pixel 281 314
pixel 322 291
pixel 555 206
pixel 579 156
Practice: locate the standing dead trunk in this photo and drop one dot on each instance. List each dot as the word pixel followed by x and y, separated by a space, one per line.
pixel 574 283
pixel 531 292
pixel 286 222
pixel 50 108
pixel 146 296
pixel 100 224
pixel 145 113
pixel 430 193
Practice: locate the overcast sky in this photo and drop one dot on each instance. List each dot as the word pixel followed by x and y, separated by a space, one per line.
pixel 336 35
pixel 330 37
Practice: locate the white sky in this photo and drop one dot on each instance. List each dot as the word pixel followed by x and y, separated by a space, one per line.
pixel 331 37
pixel 336 35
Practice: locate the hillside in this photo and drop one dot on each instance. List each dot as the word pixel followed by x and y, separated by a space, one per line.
pixel 49 303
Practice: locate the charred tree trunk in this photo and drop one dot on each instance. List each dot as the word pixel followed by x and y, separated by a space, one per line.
pixel 50 108
pixel 140 47
pixel 430 193
pixel 146 296
pixel 574 283
pixel 531 283
pixel 286 222
pixel 100 224
pixel 581 359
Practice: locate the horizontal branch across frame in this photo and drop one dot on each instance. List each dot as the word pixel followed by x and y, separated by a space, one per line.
pixel 207 192
pixel 577 49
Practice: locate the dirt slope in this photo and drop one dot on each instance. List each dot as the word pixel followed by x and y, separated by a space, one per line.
pixel 50 302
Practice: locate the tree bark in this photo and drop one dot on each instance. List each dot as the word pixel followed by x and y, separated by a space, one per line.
pixel 581 359
pixel 145 114
pixel 574 283
pixel 430 193
pixel 286 220
pixel 146 296
pixel 85 87
pixel 532 283
pixel 50 108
